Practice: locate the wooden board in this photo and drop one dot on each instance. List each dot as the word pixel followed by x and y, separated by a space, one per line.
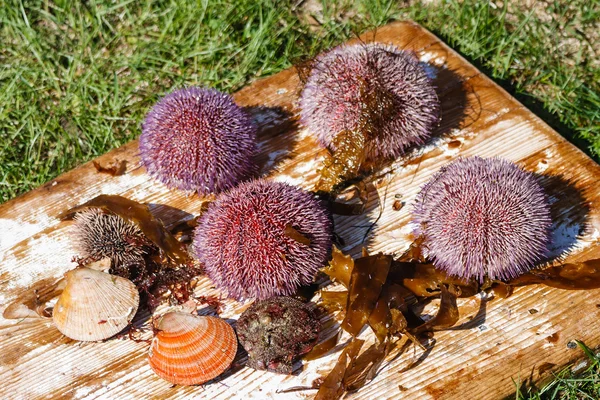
pixel 495 342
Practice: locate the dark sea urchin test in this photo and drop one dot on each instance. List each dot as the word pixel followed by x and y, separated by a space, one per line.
pixel 483 217
pixel 198 139
pixel 378 89
pixel 277 331
pixel 262 239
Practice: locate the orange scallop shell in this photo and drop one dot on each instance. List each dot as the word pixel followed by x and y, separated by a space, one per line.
pixel 190 350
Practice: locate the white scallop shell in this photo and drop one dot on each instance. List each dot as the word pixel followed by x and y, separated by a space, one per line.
pixel 95 305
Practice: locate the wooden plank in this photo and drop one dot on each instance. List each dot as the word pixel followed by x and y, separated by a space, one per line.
pixel 495 341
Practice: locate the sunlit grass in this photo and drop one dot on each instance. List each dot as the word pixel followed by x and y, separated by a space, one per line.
pixel 76 78
pixel 568 385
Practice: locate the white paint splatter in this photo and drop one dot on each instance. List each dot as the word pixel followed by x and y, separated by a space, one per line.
pixel 50 254
pixel 305 167
pixel 289 180
pixel 140 186
pixel 451 152
pixel 542 166
pixel 432 58
pixel 13 232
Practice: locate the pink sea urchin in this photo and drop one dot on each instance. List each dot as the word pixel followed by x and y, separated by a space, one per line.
pixel 481 217
pixel 198 139
pixel 372 87
pixel 262 239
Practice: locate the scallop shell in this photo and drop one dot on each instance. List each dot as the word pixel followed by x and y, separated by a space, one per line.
pixel 94 305
pixel 190 350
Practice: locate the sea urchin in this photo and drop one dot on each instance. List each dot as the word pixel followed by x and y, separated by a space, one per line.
pixel 97 234
pixel 277 331
pixel 263 238
pixel 481 217
pixel 378 89
pixel 198 139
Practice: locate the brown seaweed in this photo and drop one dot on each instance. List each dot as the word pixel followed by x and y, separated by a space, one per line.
pixel 366 365
pixel 115 168
pixel 185 229
pixel 334 301
pixel 339 205
pixel 324 347
pixel 333 386
pixel 380 308
pixel 447 314
pixel 352 370
pixel 344 163
pixel 379 290
pixel 367 279
pixel 293 233
pixel 387 319
pixel 140 215
pixel 414 253
pixel 340 267
pixel 573 276
pixel 424 280
pixel 502 290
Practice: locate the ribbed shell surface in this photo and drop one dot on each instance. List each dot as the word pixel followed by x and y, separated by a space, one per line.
pixel 190 350
pixel 94 305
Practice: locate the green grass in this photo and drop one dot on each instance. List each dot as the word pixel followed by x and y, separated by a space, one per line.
pixel 76 78
pixel 569 385
pixel 548 57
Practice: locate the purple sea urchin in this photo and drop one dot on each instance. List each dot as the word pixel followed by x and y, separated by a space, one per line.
pixel 198 139
pixel 97 235
pixel 481 217
pixel 375 88
pixel 263 238
pixel 277 331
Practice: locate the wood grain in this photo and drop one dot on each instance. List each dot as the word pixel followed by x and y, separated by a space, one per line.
pixel 496 341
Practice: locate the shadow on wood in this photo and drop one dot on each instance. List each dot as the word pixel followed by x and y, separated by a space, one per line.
pixel 569 212
pixel 277 129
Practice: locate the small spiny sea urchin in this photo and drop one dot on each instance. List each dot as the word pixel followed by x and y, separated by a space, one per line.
pixel 97 234
pixel 483 217
pixel 371 87
pixel 244 239
pixel 198 139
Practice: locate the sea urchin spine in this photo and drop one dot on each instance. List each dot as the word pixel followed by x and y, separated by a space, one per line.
pixel 97 234
pixel 379 90
pixel 262 239
pixel 198 139
pixel 483 217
